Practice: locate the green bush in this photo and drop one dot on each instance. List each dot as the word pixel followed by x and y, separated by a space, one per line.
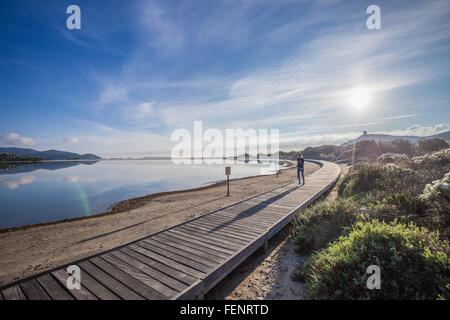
pixel 379 180
pixel 381 211
pixel 406 203
pixel 432 145
pixel 322 223
pixel 414 264
pixel 360 179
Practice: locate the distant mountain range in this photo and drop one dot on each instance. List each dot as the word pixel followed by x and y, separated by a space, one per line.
pixel 13 168
pixel 49 154
pixel 387 138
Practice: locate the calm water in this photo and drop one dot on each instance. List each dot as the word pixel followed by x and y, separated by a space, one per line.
pixel 54 191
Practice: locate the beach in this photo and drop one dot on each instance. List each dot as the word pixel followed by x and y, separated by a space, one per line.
pixel 30 250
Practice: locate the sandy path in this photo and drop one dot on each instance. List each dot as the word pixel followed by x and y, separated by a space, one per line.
pixel 267 273
pixel 28 251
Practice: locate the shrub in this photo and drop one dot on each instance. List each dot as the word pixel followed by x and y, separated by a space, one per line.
pixel 414 264
pixel 436 195
pixel 392 158
pixel 439 188
pixel 360 178
pixel 440 158
pixel 379 180
pixel 322 223
pixel 380 210
pixel 432 145
pixel 406 203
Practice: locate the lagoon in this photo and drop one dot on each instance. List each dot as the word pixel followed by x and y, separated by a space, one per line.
pixel 53 191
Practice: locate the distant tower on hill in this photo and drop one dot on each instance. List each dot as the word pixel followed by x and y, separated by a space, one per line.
pixel 364 133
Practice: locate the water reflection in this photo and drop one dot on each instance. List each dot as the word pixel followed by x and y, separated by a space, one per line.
pixel 13 168
pixel 71 178
pixel 16 183
pixel 69 189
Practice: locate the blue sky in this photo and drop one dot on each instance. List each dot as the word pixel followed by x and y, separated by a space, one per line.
pixel 137 70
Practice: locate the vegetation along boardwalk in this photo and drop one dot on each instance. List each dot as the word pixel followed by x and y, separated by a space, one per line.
pixel 184 261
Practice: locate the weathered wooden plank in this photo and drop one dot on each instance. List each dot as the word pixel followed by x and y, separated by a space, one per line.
pixel 33 291
pixel 176 257
pixel 215 242
pixel 230 228
pixel 172 272
pixel 79 294
pixel 99 290
pixel 261 218
pixel 257 213
pixel 254 213
pixel 153 288
pixel 13 293
pixel 163 278
pixel 222 220
pixel 168 262
pixel 226 231
pixel 244 232
pixel 187 254
pixel 219 234
pixel 234 239
pixel 273 209
pixel 54 289
pixel 274 212
pixel 132 279
pixel 197 249
pixel 198 242
pixel 283 207
pixel 111 283
pixel 213 237
pixel 251 209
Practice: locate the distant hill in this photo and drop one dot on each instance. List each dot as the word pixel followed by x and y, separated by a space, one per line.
pixel 49 154
pixel 14 167
pixel 443 135
pixel 369 147
pixel 389 138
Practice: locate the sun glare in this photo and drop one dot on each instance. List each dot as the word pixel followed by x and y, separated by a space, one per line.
pixel 359 98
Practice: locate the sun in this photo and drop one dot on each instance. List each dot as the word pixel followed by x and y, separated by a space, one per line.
pixel 359 98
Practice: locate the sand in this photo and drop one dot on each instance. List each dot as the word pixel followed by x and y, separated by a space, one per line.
pixel 27 251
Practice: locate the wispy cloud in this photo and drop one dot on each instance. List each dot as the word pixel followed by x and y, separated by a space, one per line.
pixel 15 139
pixel 299 141
pixel 421 131
pixel 306 64
pixel 71 140
pixel 160 27
pixel 139 112
pixel 319 77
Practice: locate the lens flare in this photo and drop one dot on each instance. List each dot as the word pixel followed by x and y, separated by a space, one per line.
pixel 84 202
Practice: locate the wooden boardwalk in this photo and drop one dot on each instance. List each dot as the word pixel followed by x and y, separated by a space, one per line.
pixel 184 261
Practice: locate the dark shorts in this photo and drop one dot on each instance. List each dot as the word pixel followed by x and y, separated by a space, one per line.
pixel 300 169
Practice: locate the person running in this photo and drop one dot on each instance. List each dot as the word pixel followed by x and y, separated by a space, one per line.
pixel 300 168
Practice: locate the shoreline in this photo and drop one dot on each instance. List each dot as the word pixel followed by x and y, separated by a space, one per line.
pixel 30 251
pixel 133 203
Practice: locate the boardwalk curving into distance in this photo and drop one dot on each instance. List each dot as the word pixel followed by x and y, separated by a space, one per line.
pixel 186 260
